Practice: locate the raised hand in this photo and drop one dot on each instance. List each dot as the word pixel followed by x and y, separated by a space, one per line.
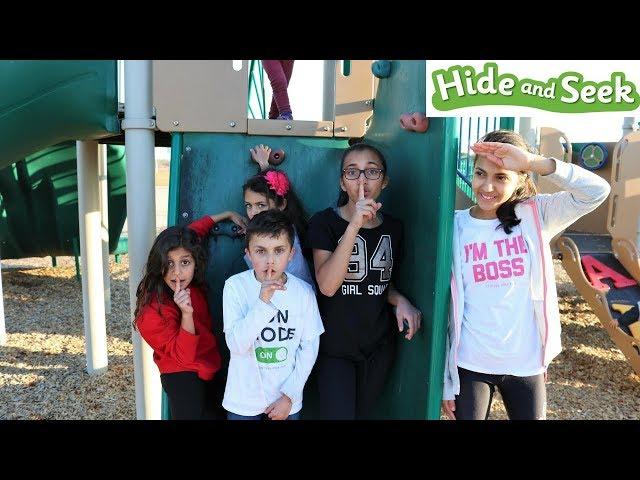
pixel 269 286
pixel 505 155
pixel 239 220
pixel 236 218
pixel 366 208
pixel 260 155
pixel 183 298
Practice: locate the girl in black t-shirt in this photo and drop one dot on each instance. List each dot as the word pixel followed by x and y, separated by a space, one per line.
pixel 356 249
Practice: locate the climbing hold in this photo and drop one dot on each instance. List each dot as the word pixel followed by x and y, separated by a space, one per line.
pixel 381 68
pixel 405 121
pixel 621 307
pixel 414 122
pixel 276 157
pixel 420 122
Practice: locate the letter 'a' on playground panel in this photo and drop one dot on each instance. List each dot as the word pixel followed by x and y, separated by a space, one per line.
pixel 522 88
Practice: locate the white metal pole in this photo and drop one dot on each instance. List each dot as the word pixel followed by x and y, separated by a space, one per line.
pixel 329 91
pixel 3 330
pixel 104 227
pixel 139 126
pixel 95 330
pixel 527 128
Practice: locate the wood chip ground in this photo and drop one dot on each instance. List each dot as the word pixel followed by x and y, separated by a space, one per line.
pixel 42 367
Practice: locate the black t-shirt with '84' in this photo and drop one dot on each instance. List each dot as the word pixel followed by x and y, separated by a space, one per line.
pixel 356 319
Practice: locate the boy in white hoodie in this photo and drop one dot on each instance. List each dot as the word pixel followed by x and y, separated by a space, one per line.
pixel 504 324
pixel 272 327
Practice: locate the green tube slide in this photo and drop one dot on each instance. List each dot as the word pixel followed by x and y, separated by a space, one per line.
pixel 45 106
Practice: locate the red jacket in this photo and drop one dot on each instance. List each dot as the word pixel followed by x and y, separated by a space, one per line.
pixel 175 349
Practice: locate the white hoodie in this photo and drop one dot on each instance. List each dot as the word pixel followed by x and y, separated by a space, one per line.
pixel 273 346
pixel 542 217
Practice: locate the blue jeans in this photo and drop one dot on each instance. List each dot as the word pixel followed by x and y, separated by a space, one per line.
pixel 262 416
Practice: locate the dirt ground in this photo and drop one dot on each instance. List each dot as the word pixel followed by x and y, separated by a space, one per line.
pixel 42 367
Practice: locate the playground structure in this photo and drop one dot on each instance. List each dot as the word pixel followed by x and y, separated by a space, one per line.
pixel 312 152
pixel 204 107
pixel 44 104
pixel 604 262
pixel 40 203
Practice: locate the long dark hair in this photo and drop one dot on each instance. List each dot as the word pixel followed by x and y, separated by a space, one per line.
pixel 293 210
pixel 506 212
pixel 343 198
pixel 152 286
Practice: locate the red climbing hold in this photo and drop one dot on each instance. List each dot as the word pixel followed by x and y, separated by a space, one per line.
pixel 414 122
pixel 276 157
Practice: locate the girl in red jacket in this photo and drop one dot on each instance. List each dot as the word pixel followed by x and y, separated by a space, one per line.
pixel 173 317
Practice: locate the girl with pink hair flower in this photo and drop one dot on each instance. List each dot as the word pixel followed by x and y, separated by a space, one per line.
pixel 271 189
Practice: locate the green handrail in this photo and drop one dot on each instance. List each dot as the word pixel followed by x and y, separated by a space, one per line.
pixel 255 92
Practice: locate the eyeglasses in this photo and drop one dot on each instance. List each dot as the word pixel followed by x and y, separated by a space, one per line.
pixel 369 173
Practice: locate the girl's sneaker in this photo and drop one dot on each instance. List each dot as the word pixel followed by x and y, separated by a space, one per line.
pixel 285 116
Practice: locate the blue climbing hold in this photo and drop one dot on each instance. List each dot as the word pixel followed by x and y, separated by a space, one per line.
pixel 381 68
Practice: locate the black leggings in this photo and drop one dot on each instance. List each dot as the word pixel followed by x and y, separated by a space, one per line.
pixel 348 389
pixel 190 397
pixel 525 398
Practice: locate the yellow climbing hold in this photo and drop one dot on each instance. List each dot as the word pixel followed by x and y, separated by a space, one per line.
pixel 621 307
